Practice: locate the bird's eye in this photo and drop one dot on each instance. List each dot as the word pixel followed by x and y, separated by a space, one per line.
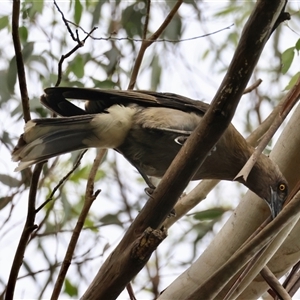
pixel 282 187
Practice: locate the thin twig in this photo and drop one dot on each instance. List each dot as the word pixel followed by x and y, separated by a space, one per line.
pixel 28 228
pixel 222 276
pixel 65 21
pixel 256 257
pixel 127 38
pixel 291 99
pixel 244 273
pixel 63 57
pixel 29 224
pixel 90 196
pixel 273 282
pixel 147 19
pixel 292 277
pixel 62 181
pixel 146 43
pixel 252 87
pixel 121 186
pixel 19 60
pixel 130 291
pixel 292 282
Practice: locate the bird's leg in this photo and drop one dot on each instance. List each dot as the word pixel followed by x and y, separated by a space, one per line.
pixel 150 189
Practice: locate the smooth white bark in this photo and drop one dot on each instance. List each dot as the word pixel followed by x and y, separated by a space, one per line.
pixel 249 214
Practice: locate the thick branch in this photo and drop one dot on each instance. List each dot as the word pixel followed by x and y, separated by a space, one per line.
pixel 213 285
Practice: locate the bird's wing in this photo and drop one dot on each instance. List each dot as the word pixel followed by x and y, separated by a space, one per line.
pixel 98 101
pixel 55 100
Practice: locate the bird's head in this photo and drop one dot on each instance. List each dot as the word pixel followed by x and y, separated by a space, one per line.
pixel 266 180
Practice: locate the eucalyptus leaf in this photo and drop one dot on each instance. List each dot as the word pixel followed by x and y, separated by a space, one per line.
pixel 70 289
pixel 210 214
pixel 4 22
pixel 287 59
pixel 9 180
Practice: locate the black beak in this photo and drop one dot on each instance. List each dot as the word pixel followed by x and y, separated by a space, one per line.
pixel 276 203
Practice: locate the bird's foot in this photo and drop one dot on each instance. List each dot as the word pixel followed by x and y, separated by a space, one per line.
pixel 172 213
pixel 149 191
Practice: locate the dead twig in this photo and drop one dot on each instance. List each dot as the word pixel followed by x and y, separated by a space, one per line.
pixel 290 101
pixel 80 43
pixel 63 57
pixel 252 87
pixel 274 284
pixel 90 196
pixel 62 181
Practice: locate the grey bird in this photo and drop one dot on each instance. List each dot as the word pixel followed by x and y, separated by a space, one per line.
pixel 148 129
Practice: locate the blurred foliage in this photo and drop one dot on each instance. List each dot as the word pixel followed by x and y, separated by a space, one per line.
pixel 105 61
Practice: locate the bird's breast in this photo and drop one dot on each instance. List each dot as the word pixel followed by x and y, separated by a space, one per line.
pixel 151 142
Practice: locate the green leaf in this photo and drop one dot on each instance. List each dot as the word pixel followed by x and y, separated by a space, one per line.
pixel 97 13
pixel 4 22
pixel 23 34
pixel 106 84
pixel 11 77
pixel 113 56
pixel 6 139
pixel 132 20
pixel 77 66
pixel 173 31
pixel 202 228
pixel 228 11
pixel 100 175
pixel 292 82
pixel 156 72
pixel 209 214
pixel 70 289
pixel 80 174
pixel 297 46
pixel 77 11
pixel 5 94
pixel 88 223
pixel 4 201
pixel 110 219
pixel 287 59
pixel 38 6
pixel 205 54
pixel 9 180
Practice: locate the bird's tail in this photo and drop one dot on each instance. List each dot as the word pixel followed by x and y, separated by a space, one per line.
pixel 46 138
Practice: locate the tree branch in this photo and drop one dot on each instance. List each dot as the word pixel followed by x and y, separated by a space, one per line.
pixel 108 285
pixel 148 42
pixel 90 196
pixel 290 100
pixel 28 228
pixel 19 60
pixel 213 285
pixel 274 284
